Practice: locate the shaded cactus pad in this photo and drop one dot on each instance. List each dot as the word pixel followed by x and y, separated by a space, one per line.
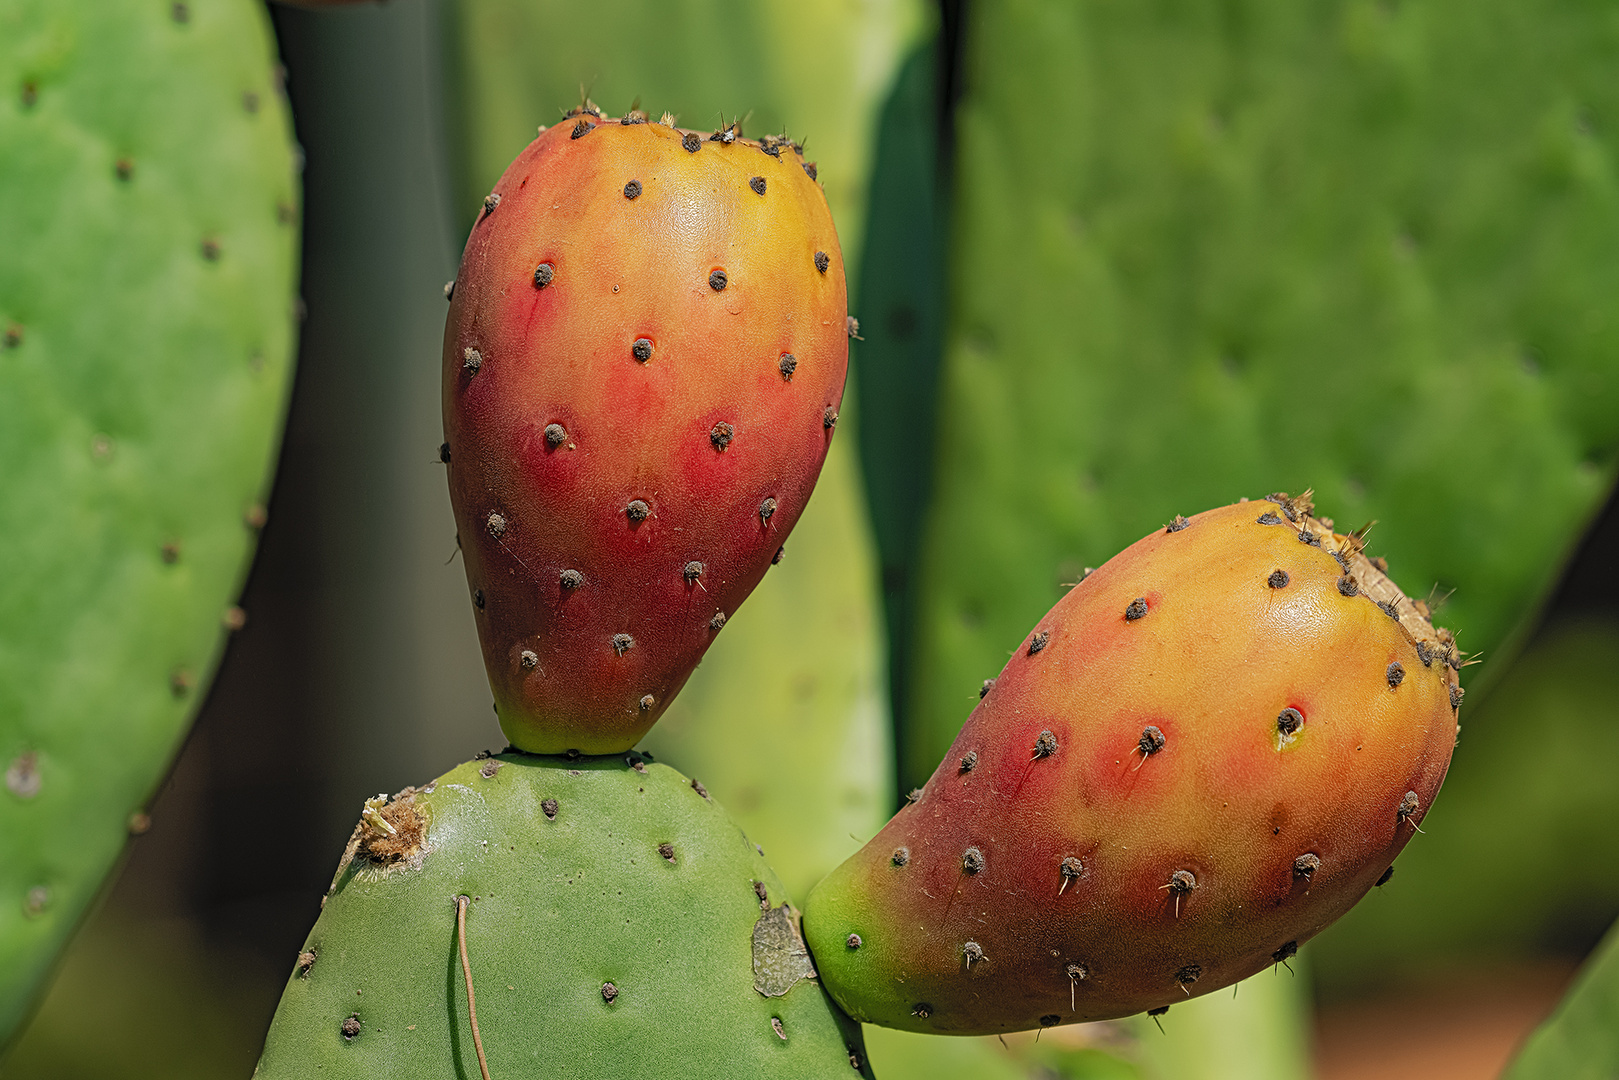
pixel 149 209
pixel 1580 1040
pixel 618 922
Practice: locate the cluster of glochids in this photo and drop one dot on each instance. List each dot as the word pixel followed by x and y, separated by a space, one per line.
pixel 643 367
pixel 1206 752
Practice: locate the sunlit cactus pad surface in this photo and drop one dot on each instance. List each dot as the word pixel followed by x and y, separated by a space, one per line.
pixel 617 923
pixel 149 208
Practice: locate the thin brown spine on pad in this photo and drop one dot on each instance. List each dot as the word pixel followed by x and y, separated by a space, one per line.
pixel 461 903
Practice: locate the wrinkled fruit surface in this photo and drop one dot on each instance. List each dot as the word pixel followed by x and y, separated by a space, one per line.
pixel 618 923
pixel 1204 754
pixel 643 365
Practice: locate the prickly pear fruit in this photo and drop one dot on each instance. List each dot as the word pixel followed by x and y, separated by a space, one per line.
pixel 615 923
pixel 1204 754
pixel 643 367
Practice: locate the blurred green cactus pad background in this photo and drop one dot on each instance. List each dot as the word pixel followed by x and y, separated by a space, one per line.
pixel 149 202
pixel 1204 251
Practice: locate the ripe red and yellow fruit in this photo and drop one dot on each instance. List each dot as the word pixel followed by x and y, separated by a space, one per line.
pixel 643 364
pixel 1210 749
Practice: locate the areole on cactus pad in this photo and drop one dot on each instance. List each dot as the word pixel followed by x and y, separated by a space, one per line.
pixel 643 366
pixel 1210 749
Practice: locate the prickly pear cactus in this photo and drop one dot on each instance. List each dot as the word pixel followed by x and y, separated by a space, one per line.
pixel 149 201
pixel 1359 246
pixel 1204 754
pixel 616 922
pixel 894 371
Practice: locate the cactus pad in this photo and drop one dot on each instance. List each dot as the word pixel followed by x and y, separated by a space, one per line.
pixel 618 923
pixel 149 204
pixel 1367 247
pixel 1580 1040
pixel 895 365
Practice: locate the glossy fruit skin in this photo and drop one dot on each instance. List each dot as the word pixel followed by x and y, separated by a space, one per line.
pixel 658 345
pixel 1140 730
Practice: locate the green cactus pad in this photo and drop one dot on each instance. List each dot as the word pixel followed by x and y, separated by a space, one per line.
pixel 614 928
pixel 1200 254
pixel 1580 1041
pixel 149 205
pixel 895 365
